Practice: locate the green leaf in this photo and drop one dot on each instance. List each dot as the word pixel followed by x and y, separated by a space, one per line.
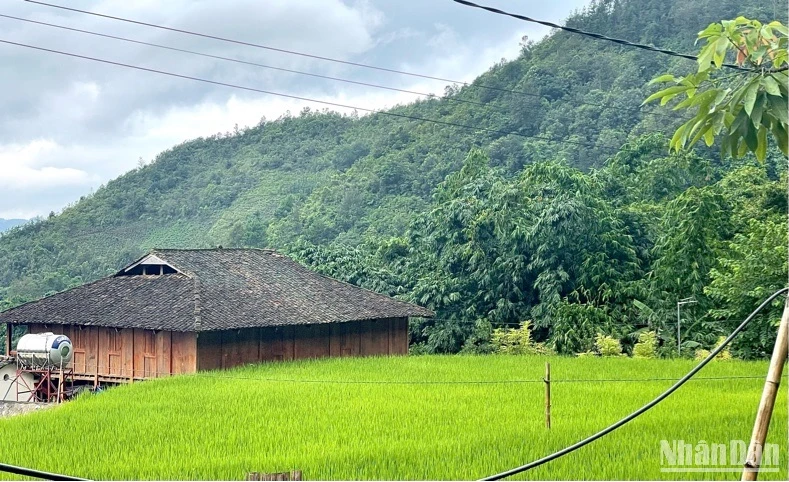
pixel 706 97
pixel 701 128
pixel 705 57
pixel 771 85
pixel 677 142
pixel 758 109
pixel 779 131
pixel 712 29
pixel 721 46
pixel 667 94
pixel 761 148
pixel 742 149
pixel 751 139
pixel 749 98
pixel 779 27
pixel 709 137
pixel 662 78
pixel 778 109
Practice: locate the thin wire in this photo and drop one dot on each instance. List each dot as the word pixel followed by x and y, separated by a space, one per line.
pixel 255 64
pixel 639 380
pixel 142 374
pixel 289 96
pixel 594 35
pixel 646 407
pixel 328 59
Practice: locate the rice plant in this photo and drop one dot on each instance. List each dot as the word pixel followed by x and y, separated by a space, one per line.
pixel 353 419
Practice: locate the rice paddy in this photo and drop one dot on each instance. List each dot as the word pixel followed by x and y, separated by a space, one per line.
pixel 352 419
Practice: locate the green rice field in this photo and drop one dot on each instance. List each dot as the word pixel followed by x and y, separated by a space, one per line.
pixel 354 419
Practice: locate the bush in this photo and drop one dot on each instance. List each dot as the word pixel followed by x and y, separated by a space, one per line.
pixel 418 349
pixel 646 346
pixel 517 341
pixel 479 343
pixel 722 356
pixel 607 345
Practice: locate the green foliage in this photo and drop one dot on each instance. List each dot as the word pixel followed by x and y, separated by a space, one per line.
pixel 646 346
pixel 753 267
pixel 517 341
pixel 607 345
pixel 484 228
pixel 724 355
pixel 741 108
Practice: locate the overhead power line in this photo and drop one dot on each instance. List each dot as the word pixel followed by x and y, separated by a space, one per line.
pixel 594 35
pixel 260 46
pixel 673 388
pixel 328 59
pixel 307 99
pixel 254 64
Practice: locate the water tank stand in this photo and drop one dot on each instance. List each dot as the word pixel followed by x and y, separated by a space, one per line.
pixel 49 384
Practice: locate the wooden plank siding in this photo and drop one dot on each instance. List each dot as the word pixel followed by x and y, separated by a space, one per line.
pixel 111 354
pixel 226 349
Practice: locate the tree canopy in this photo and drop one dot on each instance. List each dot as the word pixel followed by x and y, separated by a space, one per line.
pixel 577 224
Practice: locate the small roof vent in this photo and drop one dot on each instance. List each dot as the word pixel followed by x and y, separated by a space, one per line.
pixel 149 265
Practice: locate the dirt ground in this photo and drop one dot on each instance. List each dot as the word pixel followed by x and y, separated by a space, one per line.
pixel 9 409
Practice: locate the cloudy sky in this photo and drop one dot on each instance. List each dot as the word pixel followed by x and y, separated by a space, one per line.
pixel 68 125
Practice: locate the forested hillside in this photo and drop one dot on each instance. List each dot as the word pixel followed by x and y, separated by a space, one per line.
pixel 567 210
pixel 6 224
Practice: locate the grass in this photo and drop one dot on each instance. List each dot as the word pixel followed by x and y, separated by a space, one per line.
pixel 278 417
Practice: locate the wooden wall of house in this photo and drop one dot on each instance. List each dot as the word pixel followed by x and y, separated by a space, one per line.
pixel 127 353
pixel 229 348
pixel 110 353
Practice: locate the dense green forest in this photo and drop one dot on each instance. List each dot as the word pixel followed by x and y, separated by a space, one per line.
pixel 567 211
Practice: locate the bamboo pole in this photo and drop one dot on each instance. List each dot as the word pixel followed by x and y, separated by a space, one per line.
pixel 763 415
pixel 547 395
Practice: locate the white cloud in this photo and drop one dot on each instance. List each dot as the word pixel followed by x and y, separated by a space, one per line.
pixel 69 125
pixel 21 168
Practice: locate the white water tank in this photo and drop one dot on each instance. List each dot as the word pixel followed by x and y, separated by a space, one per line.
pixel 44 350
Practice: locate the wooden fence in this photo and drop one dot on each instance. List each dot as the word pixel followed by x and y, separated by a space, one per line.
pixel 292 475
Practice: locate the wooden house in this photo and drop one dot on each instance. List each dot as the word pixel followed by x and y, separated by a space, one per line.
pixel 180 311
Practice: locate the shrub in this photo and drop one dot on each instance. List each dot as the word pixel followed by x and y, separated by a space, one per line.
pixel 646 346
pixel 517 341
pixel 418 349
pixel 722 356
pixel 607 345
pixel 480 341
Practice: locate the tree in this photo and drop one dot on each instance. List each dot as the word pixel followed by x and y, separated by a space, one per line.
pixel 740 107
pixel 753 267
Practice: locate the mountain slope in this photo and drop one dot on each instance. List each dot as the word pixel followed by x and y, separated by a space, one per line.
pixel 6 224
pixel 324 177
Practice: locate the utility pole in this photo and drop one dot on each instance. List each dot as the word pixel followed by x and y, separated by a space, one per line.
pixel 684 301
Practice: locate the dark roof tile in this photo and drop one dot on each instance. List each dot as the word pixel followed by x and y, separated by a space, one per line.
pixel 229 288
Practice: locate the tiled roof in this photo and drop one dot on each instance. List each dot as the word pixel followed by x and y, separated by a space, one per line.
pixel 216 289
pixel 150 302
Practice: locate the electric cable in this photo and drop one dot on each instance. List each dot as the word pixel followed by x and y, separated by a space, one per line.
pixel 646 407
pixel 324 58
pixel 594 35
pixel 254 64
pixel 306 99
